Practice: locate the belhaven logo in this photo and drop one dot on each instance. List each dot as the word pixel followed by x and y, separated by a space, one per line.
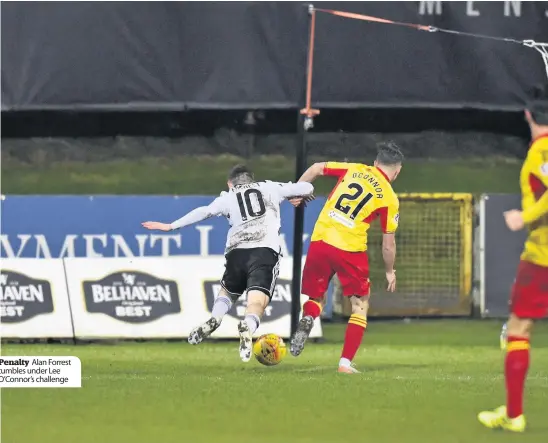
pixel 132 296
pixel 280 304
pixel 23 297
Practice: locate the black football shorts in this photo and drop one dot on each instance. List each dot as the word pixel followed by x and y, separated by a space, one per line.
pixel 255 268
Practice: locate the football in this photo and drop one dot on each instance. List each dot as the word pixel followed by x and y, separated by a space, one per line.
pixel 269 349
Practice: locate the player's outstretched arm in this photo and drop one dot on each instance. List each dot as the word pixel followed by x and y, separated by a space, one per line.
pixel 156 226
pixel 312 173
pixel 296 193
pixel 315 171
pixel 333 169
pixel 300 189
pixel 194 216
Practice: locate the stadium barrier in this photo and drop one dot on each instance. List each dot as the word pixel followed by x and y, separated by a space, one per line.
pixel 433 260
pixel 34 301
pixel 126 298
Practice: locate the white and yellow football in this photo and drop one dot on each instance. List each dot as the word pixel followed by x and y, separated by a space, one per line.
pixel 269 349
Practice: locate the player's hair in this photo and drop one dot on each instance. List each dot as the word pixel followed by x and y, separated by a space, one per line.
pixel 538 104
pixel 389 154
pixel 239 175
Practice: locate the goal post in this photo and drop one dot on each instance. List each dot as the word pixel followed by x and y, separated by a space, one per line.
pixel 433 259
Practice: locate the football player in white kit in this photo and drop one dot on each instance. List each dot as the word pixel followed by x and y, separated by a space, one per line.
pixel 252 248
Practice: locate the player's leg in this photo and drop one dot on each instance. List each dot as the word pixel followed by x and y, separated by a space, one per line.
pixel 317 273
pixel 353 271
pixel 257 301
pixel 222 305
pixel 529 301
pixel 516 364
pixel 354 333
pixel 232 286
pixel 262 267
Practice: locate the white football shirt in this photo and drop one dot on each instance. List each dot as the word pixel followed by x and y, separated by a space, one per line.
pixel 253 212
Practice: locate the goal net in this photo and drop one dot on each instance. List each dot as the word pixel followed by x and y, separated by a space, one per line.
pixel 434 259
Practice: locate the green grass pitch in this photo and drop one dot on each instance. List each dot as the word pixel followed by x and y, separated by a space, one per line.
pixel 423 381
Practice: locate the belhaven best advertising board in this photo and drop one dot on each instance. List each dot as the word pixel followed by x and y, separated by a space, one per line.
pixel 163 298
pixel 34 301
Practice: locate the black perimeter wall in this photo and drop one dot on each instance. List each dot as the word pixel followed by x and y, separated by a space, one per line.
pixel 349 134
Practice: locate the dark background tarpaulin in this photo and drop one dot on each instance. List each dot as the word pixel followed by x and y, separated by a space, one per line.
pixel 177 55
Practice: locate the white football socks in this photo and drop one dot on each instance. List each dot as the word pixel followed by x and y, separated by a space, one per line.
pixel 221 306
pixel 344 362
pixel 253 321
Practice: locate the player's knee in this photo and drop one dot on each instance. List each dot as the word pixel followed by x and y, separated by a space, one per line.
pixel 519 327
pixel 315 292
pixel 360 305
pixel 232 296
pixel 320 299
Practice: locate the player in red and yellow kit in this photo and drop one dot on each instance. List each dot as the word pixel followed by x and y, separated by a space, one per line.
pixel 339 242
pixel 529 297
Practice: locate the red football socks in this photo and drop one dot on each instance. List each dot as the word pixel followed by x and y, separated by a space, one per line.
pixel 515 371
pixel 354 334
pixel 312 308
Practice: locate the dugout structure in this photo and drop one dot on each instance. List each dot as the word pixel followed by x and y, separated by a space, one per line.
pixel 433 260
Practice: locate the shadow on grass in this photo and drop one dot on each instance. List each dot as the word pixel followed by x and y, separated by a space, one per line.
pixel 329 369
